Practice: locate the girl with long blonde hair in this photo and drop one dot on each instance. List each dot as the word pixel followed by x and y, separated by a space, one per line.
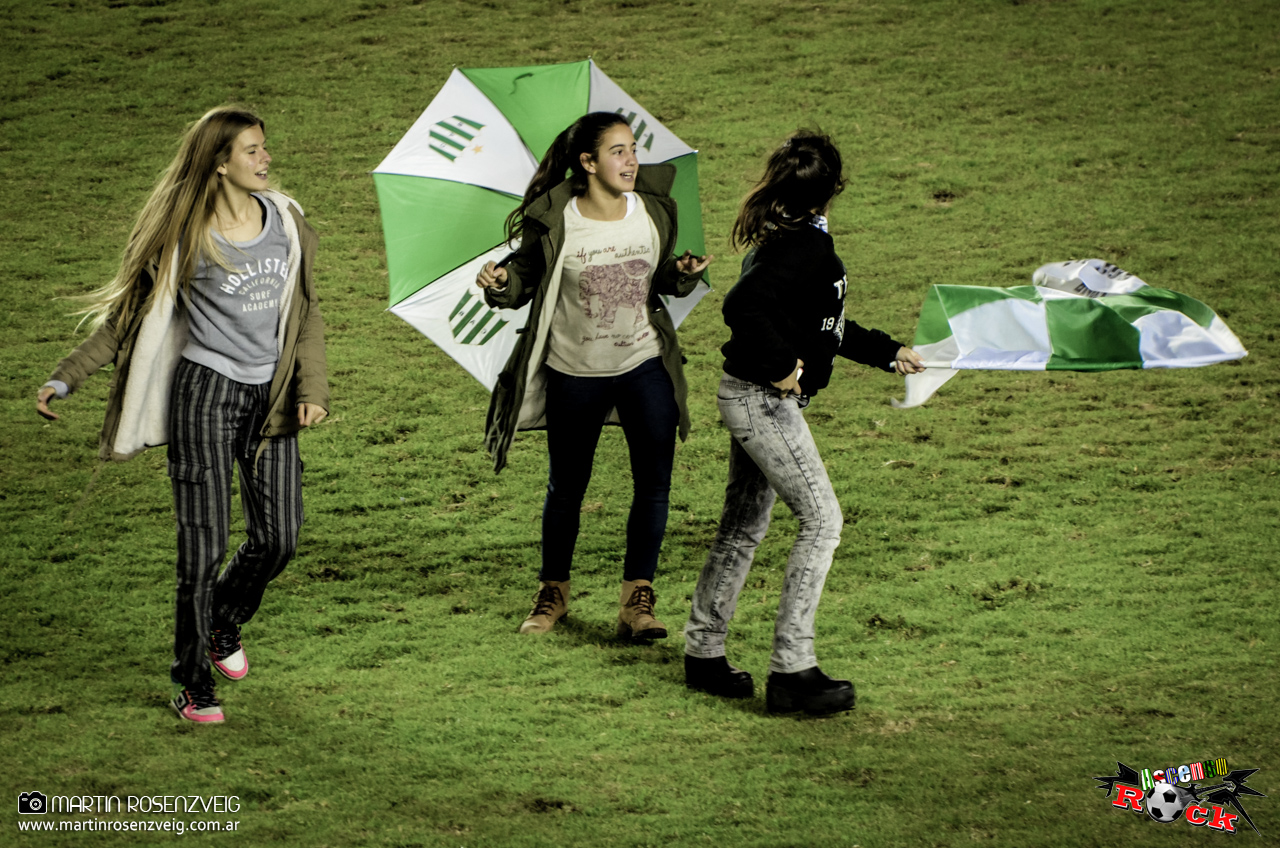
pixel 214 328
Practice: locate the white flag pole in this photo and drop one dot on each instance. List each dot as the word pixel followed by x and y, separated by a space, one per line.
pixel 929 363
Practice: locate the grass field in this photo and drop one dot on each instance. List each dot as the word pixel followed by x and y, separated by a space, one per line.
pixel 1040 574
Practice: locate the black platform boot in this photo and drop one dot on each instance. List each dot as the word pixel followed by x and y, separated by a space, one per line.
pixel 717 677
pixel 809 690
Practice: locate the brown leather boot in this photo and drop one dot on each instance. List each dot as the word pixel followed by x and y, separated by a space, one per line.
pixel 550 604
pixel 635 612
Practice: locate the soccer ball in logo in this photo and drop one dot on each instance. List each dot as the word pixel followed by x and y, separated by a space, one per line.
pixel 1165 802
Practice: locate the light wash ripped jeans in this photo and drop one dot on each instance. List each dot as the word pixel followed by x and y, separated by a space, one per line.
pixel 771 454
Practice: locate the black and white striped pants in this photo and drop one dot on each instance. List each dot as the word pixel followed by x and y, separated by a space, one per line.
pixel 214 423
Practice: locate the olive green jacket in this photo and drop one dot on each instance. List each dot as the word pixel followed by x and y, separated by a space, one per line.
pixel 533 276
pixel 147 346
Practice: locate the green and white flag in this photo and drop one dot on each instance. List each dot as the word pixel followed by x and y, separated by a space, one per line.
pixel 447 186
pixel 1081 315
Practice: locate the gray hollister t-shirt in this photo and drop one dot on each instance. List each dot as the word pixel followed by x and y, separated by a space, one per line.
pixel 235 315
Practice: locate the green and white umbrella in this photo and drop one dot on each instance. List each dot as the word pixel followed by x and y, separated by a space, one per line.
pixel 1080 315
pixel 449 184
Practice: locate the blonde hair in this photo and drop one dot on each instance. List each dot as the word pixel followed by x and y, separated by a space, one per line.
pixel 175 220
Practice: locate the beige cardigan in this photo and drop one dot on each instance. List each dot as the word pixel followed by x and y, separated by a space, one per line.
pixel 146 349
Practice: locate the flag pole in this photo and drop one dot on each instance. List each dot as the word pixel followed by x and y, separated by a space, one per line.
pixel 932 363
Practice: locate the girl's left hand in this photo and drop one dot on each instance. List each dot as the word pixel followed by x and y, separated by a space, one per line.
pixel 908 361
pixel 43 397
pixel 310 413
pixel 689 264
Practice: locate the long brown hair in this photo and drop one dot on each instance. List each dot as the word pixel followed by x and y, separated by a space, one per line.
pixel 564 155
pixel 805 173
pixel 175 219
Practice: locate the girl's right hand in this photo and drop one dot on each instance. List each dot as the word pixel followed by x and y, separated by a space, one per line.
pixel 791 385
pixel 492 277
pixel 43 397
pixel 907 361
pixel 688 265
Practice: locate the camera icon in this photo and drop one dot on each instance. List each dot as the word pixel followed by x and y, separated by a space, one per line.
pixel 33 804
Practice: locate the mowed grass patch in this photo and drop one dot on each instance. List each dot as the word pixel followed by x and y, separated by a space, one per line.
pixel 1039 574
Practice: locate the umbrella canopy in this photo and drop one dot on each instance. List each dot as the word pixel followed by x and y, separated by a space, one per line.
pixel 449 184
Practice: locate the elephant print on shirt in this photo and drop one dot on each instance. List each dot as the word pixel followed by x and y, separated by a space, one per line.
pixel 623 284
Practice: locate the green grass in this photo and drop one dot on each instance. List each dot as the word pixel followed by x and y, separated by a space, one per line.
pixel 1040 574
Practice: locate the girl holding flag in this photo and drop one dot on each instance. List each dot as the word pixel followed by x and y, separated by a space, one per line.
pixel 595 254
pixel 786 316
pixel 214 328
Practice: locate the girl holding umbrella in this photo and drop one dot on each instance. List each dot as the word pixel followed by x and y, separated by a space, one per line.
pixel 214 327
pixel 595 254
pixel 786 316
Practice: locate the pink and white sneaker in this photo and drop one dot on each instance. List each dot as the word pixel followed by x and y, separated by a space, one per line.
pixel 198 705
pixel 227 654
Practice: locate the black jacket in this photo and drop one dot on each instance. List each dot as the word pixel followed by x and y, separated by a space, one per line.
pixel 788 304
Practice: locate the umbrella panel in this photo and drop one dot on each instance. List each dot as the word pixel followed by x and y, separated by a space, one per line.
pixel 451 312
pixel 432 225
pixel 539 100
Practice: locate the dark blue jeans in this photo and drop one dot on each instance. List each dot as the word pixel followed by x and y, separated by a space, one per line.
pixel 576 411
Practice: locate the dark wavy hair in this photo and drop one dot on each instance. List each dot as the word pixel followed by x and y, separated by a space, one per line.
pixel 564 156
pixel 804 174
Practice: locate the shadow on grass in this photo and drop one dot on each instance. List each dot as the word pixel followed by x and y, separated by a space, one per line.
pixel 585 632
pixel 667 661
